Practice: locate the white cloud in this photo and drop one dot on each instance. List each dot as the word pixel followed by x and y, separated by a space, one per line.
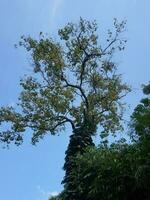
pixel 45 194
pixel 55 8
pixel 53 193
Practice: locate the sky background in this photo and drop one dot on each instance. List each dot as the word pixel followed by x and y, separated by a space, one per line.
pixel 33 173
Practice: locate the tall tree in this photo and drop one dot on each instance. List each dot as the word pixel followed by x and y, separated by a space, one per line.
pixel 73 81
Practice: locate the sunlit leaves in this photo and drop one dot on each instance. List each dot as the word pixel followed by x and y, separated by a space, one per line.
pixel 73 80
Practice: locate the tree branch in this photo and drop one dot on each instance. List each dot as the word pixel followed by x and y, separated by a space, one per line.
pixel 77 87
pixel 66 119
pixel 59 123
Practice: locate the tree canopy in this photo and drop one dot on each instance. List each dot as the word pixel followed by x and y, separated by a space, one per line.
pixel 72 81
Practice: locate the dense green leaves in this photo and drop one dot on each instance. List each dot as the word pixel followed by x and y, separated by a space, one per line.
pixel 119 172
pixel 140 119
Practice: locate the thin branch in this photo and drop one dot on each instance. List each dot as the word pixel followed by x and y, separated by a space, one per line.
pixel 113 41
pixel 83 69
pixel 43 76
pixel 77 87
pixel 59 124
pixel 93 55
pixel 67 120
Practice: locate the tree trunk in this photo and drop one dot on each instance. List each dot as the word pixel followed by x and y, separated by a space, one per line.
pixel 79 141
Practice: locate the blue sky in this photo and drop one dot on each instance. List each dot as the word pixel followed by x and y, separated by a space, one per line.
pixel 31 172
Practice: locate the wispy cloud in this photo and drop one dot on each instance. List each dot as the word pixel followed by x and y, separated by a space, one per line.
pixel 45 194
pixel 53 194
pixel 55 8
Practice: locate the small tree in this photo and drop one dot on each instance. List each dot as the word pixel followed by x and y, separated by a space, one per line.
pixel 73 81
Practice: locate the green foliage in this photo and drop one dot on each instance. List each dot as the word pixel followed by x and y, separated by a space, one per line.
pixel 72 80
pixel 120 171
pixel 140 119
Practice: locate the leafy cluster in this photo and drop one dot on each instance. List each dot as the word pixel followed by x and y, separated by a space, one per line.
pixel 140 119
pixel 119 172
